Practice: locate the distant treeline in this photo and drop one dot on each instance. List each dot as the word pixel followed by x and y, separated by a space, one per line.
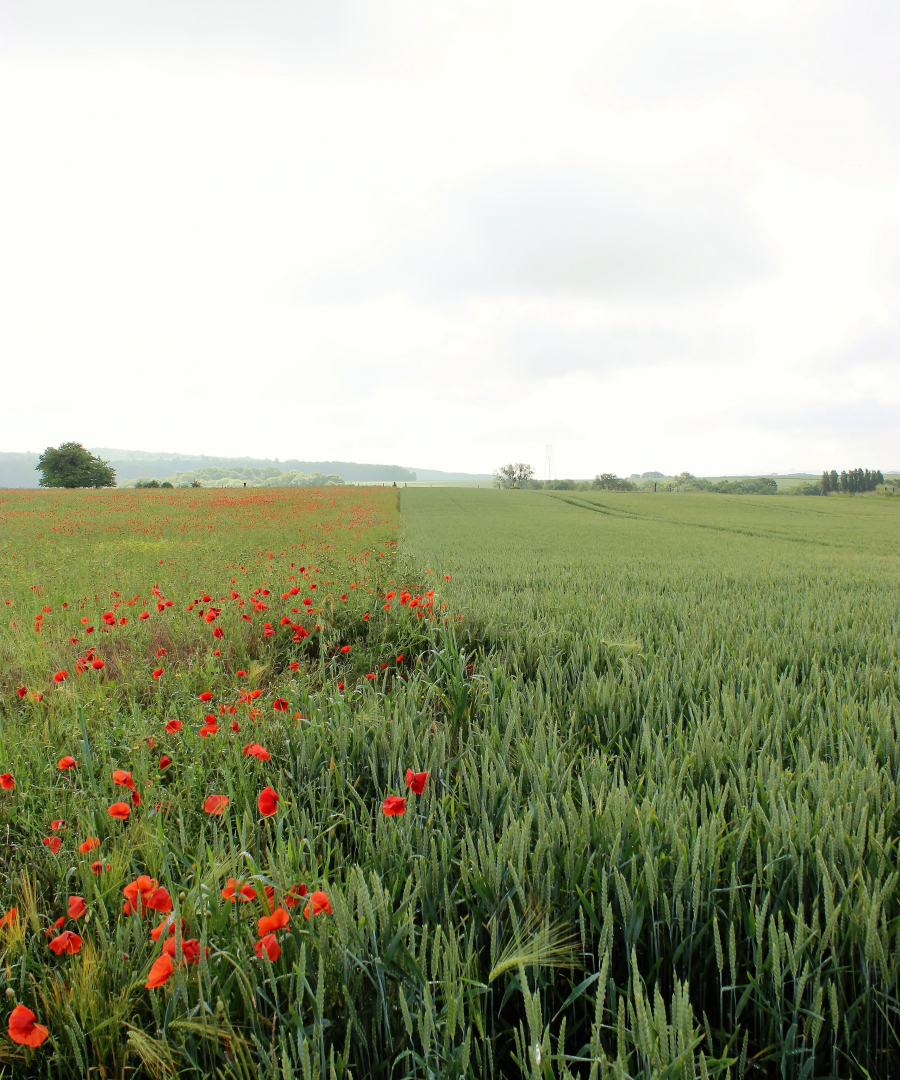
pixel 852 482
pixel 756 485
pixel 236 477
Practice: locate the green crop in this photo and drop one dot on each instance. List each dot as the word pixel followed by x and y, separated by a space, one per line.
pixel 659 832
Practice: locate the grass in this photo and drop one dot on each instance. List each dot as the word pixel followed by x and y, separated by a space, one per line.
pixel 659 831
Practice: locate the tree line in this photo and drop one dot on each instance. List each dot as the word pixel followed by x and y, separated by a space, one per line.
pixel 851 482
pixel 520 475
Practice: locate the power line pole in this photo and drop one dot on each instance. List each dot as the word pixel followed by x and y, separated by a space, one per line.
pixel 549 467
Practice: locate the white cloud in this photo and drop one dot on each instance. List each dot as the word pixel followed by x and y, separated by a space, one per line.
pixel 446 235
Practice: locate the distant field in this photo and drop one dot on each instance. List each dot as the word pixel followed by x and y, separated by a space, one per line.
pixel 657 837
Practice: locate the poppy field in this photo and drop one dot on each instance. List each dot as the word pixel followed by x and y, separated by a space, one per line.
pixel 332 782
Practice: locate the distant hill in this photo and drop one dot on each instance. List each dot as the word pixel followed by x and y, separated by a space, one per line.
pixel 434 474
pixel 234 477
pixel 131 464
pixel 18 470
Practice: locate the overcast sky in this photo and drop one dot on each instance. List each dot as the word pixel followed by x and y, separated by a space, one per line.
pixel 657 235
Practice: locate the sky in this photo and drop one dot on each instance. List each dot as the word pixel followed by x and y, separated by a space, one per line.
pixel 654 235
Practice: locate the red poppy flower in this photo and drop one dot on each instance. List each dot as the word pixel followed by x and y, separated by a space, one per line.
pixel 267 801
pixel 89 844
pixel 52 842
pixel 415 781
pixel 144 615
pixel 343 596
pixel 11 917
pixel 280 704
pixel 67 942
pixel 317 905
pixel 22 691
pixel 57 824
pixel 23 1029
pixel 61 921
pixel 165 762
pixel 269 893
pixel 255 750
pixel 394 805
pixel 67 762
pixel 97 867
pixel 159 900
pixel 167 927
pixel 340 686
pixel 238 890
pixel 269 946
pixel 276 921
pixel 207 730
pixel 241 674
pixel 292 898
pixel 136 798
pixel 157 673
pixel 235 726
pixel 7 782
pixel 160 970
pixel 172 726
pixel 123 778
pixel 446 577
pixel 119 810
pixel 97 664
pixel 215 805
pixel 190 950
pixel 77 907
pixel 60 676
pixel 160 652
pixel 205 696
pixel 145 892
pixel 371 676
pixel 294 665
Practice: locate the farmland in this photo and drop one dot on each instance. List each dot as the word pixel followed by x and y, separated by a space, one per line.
pixel 657 836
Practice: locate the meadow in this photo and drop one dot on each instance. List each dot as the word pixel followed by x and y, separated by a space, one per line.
pixel 448 782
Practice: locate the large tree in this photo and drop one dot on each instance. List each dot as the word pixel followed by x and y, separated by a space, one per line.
pixel 69 465
pixel 513 476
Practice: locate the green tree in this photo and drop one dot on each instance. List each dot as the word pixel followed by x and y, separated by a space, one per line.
pixel 69 465
pixel 610 482
pixel 826 483
pixel 513 476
